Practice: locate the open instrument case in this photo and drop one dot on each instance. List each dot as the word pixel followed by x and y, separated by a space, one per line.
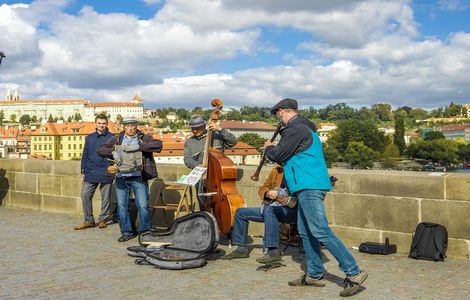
pixel 185 244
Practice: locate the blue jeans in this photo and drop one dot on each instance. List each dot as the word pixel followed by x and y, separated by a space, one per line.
pixel 272 216
pixel 313 229
pixel 141 193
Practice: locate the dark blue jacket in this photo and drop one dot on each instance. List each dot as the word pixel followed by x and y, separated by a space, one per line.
pixel 94 166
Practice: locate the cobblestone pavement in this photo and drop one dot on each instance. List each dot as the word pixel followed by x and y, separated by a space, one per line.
pixel 42 257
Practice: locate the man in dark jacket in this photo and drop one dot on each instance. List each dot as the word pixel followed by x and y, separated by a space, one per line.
pixel 300 153
pixel 94 170
pixel 127 150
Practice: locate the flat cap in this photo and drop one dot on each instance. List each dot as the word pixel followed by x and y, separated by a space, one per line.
pixel 129 121
pixel 285 104
pixel 196 121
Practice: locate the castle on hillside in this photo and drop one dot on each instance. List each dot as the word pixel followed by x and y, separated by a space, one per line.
pixel 13 105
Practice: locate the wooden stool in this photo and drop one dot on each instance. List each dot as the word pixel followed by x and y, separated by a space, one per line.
pixel 185 203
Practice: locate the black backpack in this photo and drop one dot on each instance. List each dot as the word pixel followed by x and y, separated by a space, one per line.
pixel 429 242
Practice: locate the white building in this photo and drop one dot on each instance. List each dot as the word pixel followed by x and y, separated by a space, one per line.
pixel 324 130
pixel 8 142
pixel 69 108
pixel 239 128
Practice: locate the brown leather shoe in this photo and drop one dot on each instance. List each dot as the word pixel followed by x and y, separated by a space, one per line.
pixel 85 225
pixel 102 224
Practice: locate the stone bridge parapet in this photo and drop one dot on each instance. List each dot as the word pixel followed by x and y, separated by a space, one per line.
pixel 363 206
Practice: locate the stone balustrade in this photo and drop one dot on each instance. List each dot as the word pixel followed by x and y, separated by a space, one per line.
pixel 363 206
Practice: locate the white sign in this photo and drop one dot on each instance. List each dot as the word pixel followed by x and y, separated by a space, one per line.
pixel 193 177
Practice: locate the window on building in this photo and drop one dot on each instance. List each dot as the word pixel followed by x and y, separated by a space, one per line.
pixel 74 146
pixel 69 138
pixel 81 146
pixel 69 146
pixel 74 138
pixel 69 155
pixel 50 147
pixel 40 147
pixel 35 147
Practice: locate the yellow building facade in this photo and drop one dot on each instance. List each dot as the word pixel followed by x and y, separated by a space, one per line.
pixel 63 141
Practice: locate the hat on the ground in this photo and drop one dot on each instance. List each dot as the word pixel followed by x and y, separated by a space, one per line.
pixel 129 121
pixel 285 104
pixel 196 121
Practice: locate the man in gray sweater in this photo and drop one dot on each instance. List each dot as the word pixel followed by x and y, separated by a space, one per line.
pixel 194 146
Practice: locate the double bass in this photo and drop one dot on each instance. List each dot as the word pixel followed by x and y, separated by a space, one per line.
pixel 218 183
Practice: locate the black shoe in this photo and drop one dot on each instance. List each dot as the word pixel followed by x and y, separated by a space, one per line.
pixel 125 237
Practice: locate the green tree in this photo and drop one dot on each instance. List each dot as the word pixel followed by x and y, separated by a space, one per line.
pixel 183 113
pixel 119 119
pixel 399 136
pixel 383 111
pixel 464 152
pixel 456 110
pixel 13 117
pixel 69 119
pixel 365 113
pixel 391 154
pixel 438 150
pixel 50 119
pixel 2 117
pixel 358 131
pixel 418 114
pixel 331 154
pixel 25 120
pixel 34 119
pixel 357 154
pixel 434 135
pixel 437 113
pixel 252 139
pixel 77 117
pixel 233 114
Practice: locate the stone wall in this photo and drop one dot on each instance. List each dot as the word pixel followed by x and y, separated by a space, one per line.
pixel 364 205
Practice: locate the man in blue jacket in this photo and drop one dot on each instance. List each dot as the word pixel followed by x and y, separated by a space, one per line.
pixel 300 153
pixel 94 169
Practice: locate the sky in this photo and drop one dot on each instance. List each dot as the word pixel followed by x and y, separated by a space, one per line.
pixel 183 53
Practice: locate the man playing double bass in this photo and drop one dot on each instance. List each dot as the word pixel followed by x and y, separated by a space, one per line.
pixel 194 146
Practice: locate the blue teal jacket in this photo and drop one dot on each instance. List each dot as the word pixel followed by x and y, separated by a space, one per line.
pixel 93 166
pixel 301 154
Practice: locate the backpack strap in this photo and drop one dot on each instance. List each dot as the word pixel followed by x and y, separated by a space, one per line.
pixel 440 240
pixel 418 233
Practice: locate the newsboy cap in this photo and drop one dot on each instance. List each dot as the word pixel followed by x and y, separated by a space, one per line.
pixel 196 121
pixel 285 104
pixel 129 121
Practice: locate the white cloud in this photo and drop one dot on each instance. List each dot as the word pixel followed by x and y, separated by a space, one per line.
pixel 361 52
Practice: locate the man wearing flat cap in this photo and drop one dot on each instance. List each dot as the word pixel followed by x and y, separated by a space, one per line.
pixel 194 146
pixel 300 152
pixel 132 151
